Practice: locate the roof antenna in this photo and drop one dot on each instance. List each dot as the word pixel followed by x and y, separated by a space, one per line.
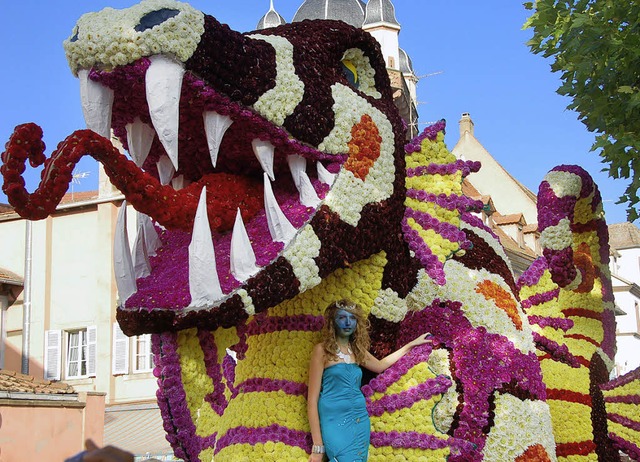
pixel 75 179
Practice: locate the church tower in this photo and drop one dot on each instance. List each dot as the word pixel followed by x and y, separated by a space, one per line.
pixel 380 21
pixel 271 19
pixel 349 11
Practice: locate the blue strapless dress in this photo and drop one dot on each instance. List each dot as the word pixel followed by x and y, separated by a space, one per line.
pixel 344 421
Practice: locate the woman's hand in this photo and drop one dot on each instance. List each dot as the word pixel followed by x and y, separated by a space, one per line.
pixel 106 454
pixel 316 457
pixel 421 340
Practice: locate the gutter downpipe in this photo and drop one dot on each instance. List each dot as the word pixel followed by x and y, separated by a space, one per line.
pixel 26 307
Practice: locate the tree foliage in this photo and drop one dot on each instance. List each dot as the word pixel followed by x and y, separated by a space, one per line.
pixel 595 45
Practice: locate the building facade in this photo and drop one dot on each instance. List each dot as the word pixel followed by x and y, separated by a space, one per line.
pixel 66 307
pixel 624 239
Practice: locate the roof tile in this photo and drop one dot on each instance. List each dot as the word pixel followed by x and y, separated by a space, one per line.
pixel 15 382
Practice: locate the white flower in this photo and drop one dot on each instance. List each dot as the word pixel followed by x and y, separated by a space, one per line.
pixel 350 194
pixel 108 38
pixel 510 437
pixel 564 183
pixel 389 306
pixel 480 311
pixel 557 237
pixel 301 253
pixel 424 292
pixel 247 301
pixel 280 101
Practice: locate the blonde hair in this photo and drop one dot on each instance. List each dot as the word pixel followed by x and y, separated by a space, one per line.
pixel 358 341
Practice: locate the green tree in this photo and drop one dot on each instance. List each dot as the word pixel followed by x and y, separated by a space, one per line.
pixel 595 45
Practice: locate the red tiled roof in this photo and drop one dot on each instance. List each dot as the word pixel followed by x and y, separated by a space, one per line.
pixel 507 219
pixel 8 276
pixel 80 196
pixel 19 383
pixel 624 235
pixel 468 189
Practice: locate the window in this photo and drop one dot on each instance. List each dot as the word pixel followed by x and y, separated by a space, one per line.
pixel 141 356
pixel 80 358
pixel 144 357
pixel 80 349
pixel 52 343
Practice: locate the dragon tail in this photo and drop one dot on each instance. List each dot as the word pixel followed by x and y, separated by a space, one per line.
pixel 621 399
pixel 568 298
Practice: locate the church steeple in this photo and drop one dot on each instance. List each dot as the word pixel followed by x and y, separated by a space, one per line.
pixel 349 11
pixel 381 11
pixel 271 19
pixel 380 21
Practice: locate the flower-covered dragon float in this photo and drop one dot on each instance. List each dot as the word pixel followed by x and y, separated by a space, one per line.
pixel 272 177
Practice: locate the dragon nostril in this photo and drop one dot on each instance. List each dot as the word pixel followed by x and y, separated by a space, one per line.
pixel 152 19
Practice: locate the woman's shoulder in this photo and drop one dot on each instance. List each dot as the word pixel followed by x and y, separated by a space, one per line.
pixel 318 350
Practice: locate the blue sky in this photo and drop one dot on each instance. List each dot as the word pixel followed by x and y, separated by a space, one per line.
pixel 472 55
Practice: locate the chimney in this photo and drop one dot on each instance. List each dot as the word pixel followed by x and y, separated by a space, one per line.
pixel 466 124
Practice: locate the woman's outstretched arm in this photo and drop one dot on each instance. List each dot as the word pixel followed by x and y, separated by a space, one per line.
pixel 316 367
pixel 379 365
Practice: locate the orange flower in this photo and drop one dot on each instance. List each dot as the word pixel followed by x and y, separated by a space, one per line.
pixel 502 299
pixel 583 261
pixel 364 147
pixel 535 453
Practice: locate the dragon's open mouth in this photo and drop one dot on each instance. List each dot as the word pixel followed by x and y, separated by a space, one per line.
pixel 248 159
pixel 250 167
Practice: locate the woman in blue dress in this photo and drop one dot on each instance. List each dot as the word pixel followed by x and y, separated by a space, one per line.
pixel 338 418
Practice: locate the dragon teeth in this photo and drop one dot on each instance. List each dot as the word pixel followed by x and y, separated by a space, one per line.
pixel 264 152
pixel 325 175
pixel 122 261
pixel 139 138
pixel 215 126
pixel 151 238
pixel 166 169
pixel 243 259
pixel 280 227
pixel 97 104
pixel 308 195
pixel 163 86
pixel 204 284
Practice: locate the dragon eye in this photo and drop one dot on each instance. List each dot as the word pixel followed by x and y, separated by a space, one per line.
pixel 74 38
pixel 359 72
pixel 350 71
pixel 154 18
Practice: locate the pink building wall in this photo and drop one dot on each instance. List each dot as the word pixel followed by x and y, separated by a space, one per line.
pixel 49 428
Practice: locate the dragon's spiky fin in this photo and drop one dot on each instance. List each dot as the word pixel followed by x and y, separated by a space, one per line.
pixel 434 202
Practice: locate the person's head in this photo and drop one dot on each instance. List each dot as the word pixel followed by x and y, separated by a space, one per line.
pixel 345 320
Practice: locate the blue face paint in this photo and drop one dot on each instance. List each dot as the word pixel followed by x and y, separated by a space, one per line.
pixel 345 323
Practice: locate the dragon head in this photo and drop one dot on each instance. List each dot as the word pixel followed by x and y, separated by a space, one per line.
pixel 249 152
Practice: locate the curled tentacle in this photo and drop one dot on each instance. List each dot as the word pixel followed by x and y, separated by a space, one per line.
pixel 172 208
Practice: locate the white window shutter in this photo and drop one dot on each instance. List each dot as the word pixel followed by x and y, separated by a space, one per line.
pixel 92 350
pixel 120 362
pixel 52 354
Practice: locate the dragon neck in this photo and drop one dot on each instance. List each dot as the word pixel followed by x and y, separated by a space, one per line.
pixel 434 204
